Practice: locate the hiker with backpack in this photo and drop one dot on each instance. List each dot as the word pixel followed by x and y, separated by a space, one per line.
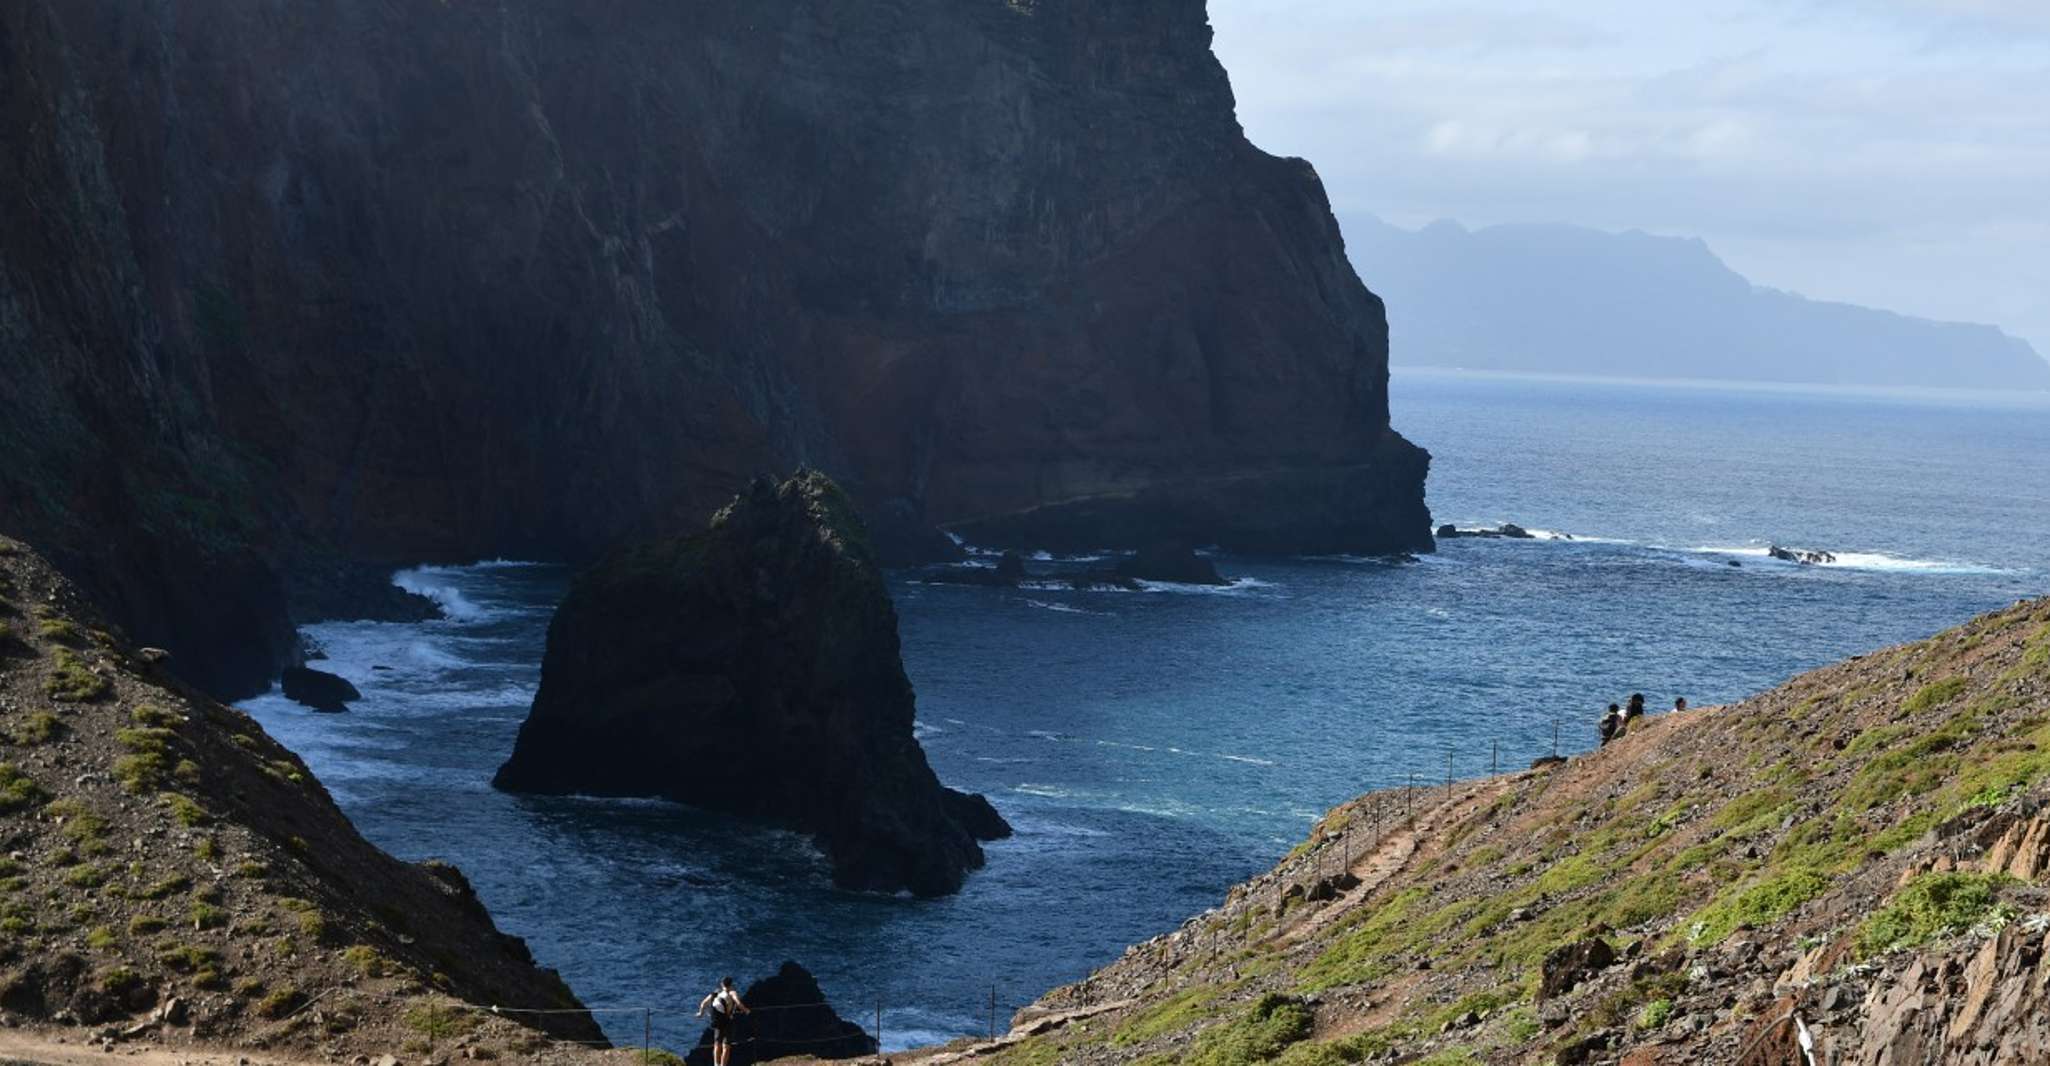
pixel 726 1008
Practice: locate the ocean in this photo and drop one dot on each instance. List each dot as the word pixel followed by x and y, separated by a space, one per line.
pixel 1154 748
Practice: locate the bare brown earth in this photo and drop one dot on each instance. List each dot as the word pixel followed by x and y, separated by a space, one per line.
pixel 169 873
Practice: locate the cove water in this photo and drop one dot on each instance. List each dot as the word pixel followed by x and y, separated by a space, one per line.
pixel 1154 748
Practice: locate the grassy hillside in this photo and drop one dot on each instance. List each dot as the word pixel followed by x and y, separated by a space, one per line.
pixel 167 868
pixel 1859 848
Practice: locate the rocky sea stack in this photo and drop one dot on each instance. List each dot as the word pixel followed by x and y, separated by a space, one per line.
pixel 753 668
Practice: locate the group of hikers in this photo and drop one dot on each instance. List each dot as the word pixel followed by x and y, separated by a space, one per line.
pixel 1616 723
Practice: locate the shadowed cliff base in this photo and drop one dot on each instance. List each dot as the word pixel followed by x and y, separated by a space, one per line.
pixel 753 668
pixel 437 282
pixel 1370 509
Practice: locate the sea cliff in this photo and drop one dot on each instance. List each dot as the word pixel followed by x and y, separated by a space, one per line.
pixel 336 283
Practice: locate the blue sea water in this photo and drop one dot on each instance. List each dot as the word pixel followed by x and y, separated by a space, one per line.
pixel 1153 748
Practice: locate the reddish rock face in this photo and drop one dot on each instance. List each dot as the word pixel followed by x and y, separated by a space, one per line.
pixel 436 280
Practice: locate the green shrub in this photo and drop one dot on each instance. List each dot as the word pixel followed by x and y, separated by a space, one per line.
pixel 366 960
pixel 208 916
pixel 141 775
pixel 60 630
pixel 185 958
pixel 39 727
pixel 1759 903
pixel 17 791
pixel 166 888
pixel 1935 694
pixel 280 1003
pixel 1264 1031
pixel 1655 1014
pixel 438 1022
pixel 86 876
pixel 151 715
pixel 120 981
pixel 1178 1011
pixel 71 681
pixel 1930 906
pixel 101 937
pixel 189 814
pixel 144 925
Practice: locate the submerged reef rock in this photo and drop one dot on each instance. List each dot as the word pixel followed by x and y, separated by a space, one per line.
pixel 753 668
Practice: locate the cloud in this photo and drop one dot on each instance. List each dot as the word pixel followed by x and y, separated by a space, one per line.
pixel 1868 150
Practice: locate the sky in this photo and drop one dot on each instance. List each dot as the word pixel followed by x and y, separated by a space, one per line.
pixel 1892 153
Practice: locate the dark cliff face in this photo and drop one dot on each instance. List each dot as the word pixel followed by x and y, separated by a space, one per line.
pixel 437 280
pixel 753 668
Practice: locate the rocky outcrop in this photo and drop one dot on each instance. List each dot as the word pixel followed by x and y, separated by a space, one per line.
pixel 1505 531
pixel 318 689
pixel 1176 563
pixel 1803 556
pixel 175 874
pixel 424 281
pixel 753 668
pixel 789 1016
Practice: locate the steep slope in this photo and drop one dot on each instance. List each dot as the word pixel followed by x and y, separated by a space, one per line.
pixel 406 281
pixel 753 667
pixel 1566 299
pixel 1860 853
pixel 167 864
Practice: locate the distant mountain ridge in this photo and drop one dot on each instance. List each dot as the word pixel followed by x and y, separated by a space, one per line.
pixel 1568 299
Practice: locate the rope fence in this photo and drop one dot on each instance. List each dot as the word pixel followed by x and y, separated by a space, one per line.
pixel 650 1013
pixel 1387 809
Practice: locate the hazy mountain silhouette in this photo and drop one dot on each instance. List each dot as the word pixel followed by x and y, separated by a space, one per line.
pixel 1566 299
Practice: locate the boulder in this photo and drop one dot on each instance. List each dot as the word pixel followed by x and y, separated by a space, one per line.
pixel 753 668
pixel 319 689
pixel 788 1015
pixel 1568 966
pixel 1177 563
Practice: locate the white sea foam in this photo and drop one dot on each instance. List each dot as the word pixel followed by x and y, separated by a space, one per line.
pixel 1058 608
pixel 1044 734
pixel 1881 562
pixel 1245 759
pixel 1043 791
pixel 433 582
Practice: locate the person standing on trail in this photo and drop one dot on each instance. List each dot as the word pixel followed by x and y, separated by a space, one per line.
pixel 726 1007
pixel 1612 723
pixel 1680 705
pixel 1632 712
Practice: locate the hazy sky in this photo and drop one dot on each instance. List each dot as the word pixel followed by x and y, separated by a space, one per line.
pixel 1894 153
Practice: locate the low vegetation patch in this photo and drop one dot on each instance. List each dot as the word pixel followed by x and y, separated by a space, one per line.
pixel 72 681
pixel 1931 906
pixel 17 791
